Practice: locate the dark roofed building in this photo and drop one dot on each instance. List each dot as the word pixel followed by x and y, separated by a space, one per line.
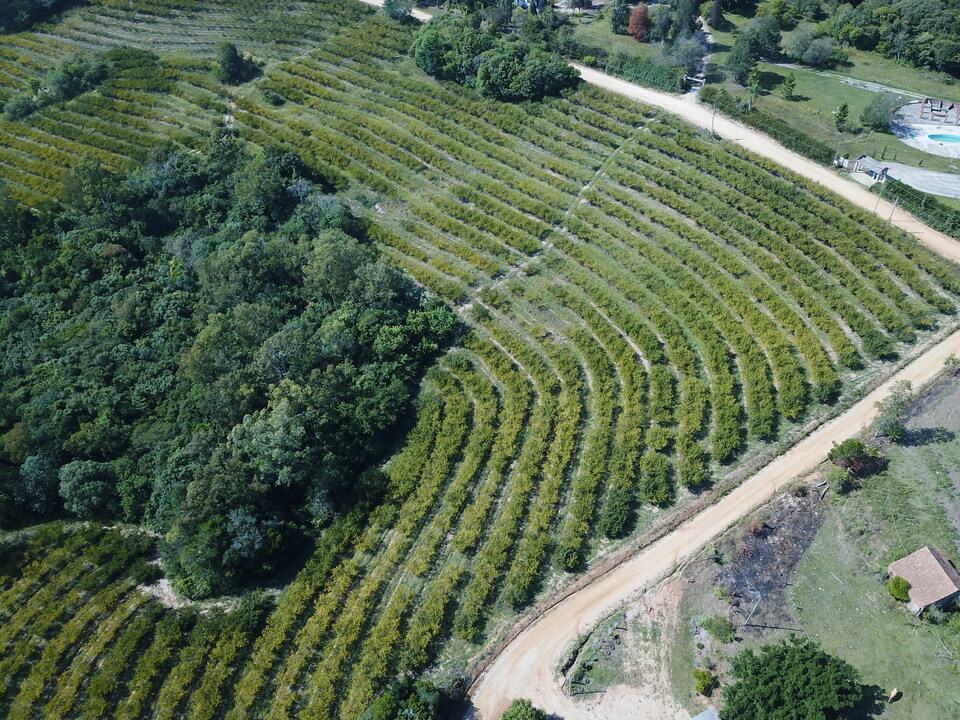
pixel 933 580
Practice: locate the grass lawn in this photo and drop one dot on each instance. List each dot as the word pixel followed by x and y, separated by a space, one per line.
pixel 836 592
pixel 594 29
pixel 819 94
pixel 853 617
pixel 839 586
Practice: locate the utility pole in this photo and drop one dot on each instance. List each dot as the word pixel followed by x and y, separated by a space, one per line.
pixel 713 118
pixel 893 210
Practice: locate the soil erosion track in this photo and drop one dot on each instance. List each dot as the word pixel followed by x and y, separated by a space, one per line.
pixel 526 667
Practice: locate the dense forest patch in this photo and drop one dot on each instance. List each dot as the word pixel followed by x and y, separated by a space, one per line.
pixel 207 346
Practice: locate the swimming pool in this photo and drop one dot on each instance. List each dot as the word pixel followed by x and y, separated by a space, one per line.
pixel 945 138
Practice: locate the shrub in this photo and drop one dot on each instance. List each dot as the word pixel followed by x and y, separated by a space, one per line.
pixel 703 681
pixel 890 409
pixel 850 454
pixel 523 709
pixel 839 479
pixel 645 72
pixel 720 628
pixel 898 588
pixel 272 96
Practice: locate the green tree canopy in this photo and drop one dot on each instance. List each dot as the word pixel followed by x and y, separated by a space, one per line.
pixel 619 16
pixel 511 69
pixel 209 346
pixel 231 66
pixel 792 680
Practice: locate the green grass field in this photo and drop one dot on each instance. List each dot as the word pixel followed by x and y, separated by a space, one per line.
pixel 837 593
pixel 647 308
pixel 594 30
pixel 819 94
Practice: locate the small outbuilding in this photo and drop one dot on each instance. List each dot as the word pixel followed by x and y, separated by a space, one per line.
pixel 933 579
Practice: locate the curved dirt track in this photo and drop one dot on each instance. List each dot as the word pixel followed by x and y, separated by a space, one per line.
pixel 527 666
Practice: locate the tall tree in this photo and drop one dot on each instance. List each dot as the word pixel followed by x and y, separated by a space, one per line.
pixel 840 116
pixel 639 22
pixel 716 14
pixel 231 67
pixel 619 16
pixel 788 86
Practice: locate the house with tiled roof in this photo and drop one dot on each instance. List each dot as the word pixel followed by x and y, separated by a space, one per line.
pixel 933 579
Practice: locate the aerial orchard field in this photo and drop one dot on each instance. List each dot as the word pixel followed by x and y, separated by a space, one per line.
pixel 647 308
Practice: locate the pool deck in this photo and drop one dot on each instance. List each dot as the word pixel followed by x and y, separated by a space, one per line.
pixel 915 131
pixel 917 136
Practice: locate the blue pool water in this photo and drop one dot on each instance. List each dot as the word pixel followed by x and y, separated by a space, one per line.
pixel 945 138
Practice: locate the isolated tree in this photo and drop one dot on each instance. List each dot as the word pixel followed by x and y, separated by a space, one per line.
pixel 890 409
pixel 798 43
pixel 819 53
pixel 792 680
pixel 639 22
pixel 523 709
pixel 840 116
pixel 231 68
pixel 788 86
pixel 753 84
pixel 619 16
pixel 687 53
pixel 850 454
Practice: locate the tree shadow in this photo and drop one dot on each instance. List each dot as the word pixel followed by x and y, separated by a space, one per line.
pixel 927 436
pixel 872 704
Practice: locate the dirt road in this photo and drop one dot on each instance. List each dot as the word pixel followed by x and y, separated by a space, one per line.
pixel 527 666
pixel 691 110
